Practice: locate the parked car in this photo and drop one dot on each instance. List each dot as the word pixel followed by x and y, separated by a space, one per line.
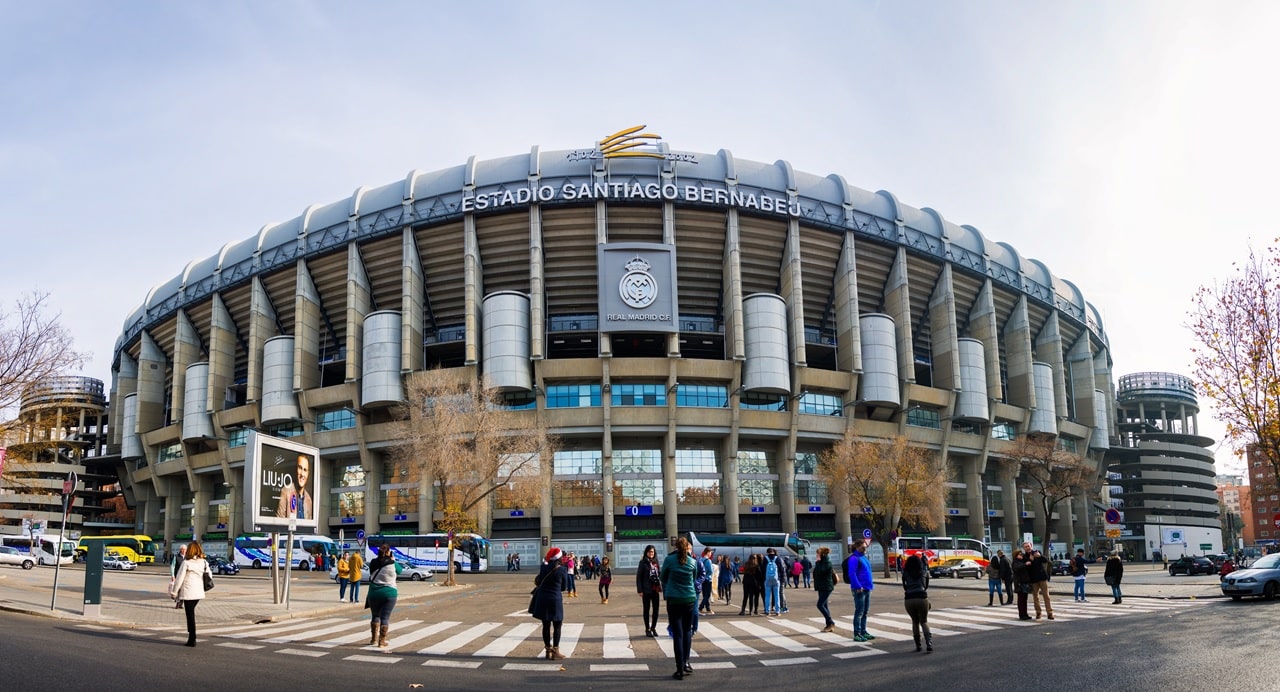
pixel 1191 565
pixel 114 561
pixel 1061 567
pixel 416 573
pixel 1262 578
pixel 11 556
pixel 966 568
pixel 221 565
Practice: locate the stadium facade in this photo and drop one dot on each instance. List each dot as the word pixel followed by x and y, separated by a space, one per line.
pixel 694 327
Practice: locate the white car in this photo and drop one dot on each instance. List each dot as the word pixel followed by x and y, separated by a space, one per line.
pixel 416 573
pixel 117 562
pixel 11 556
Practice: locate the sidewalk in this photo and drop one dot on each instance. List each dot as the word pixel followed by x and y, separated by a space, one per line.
pixel 141 598
pixel 1094 588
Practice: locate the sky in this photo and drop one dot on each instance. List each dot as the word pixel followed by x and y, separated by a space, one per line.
pixel 1127 145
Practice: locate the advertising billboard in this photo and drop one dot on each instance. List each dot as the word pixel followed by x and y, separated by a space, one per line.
pixel 281 477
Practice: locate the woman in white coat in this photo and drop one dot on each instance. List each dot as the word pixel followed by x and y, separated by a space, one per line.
pixel 188 586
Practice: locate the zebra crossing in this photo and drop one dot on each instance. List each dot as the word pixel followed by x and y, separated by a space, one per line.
pixel 514 641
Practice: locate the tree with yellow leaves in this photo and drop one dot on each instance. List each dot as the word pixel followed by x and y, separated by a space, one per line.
pixel 455 432
pixel 1237 360
pixel 1053 474
pixel 890 481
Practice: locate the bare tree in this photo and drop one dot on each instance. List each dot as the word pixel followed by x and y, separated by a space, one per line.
pixel 1052 473
pixel 890 481
pixel 1237 361
pixel 455 433
pixel 34 346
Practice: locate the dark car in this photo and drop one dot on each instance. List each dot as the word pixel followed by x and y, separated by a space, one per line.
pixel 1191 566
pixel 221 565
pixel 1061 567
pixel 942 569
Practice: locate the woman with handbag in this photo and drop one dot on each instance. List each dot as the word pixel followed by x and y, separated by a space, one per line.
pixel 382 594
pixel 678 572
pixel 1021 584
pixel 1112 574
pixel 190 582
pixel 649 586
pixel 547 603
pixel 605 573
pixel 915 587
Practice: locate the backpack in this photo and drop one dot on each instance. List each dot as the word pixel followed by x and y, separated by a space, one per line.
pixel 771 569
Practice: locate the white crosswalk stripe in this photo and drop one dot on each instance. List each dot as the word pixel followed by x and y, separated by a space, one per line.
pixel 746 641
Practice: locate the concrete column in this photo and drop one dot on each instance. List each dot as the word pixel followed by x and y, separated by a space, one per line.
pixel 1080 371
pixel 124 381
pixel 307 309
pixel 1009 493
pixel 983 327
pixel 262 326
pixel 151 393
pixel 473 289
pixel 359 304
pixel 537 287
pixel 200 507
pixel 413 297
pixel 222 354
pixel 944 333
pixel 186 350
pixel 729 483
pixel 1049 350
pixel 792 282
pixel 373 475
pixel 670 494
pixel 786 455
pixel 1082 528
pixel 897 304
pixel 735 340
pixel 848 335
pixel 1064 525
pixel 1018 358
pixel 971 471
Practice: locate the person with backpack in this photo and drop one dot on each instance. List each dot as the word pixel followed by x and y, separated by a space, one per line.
pixel 773 571
pixel 1079 569
pixel 704 581
pixel 752 582
pixel 861 582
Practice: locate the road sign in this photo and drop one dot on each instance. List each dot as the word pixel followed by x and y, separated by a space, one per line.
pixel 866 533
pixel 1113 516
pixel 1113 533
pixel 69 485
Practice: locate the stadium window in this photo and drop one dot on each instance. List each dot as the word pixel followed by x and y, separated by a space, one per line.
pixel 924 418
pixel 336 419
pixel 820 404
pixel 573 396
pixel 702 395
pixel 625 394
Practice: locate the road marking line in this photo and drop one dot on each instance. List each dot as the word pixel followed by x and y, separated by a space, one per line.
pixel 716 665
pixel 460 639
pixel 789 661
pixel 302 652
pixel 239 645
pixel 438 663
pixel 860 652
pixel 507 641
pixel 542 667
pixel 902 622
pixel 346 626
pixel 569 637
pixel 277 628
pixel 402 640
pixel 767 635
pixel 724 641
pixel 618 667
pixel 93 627
pixel 617 643
pixel 668 647
pixel 367 659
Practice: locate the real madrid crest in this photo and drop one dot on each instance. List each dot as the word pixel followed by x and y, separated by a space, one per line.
pixel 637 287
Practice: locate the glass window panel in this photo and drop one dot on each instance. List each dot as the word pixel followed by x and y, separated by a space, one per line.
pixel 576 493
pixel 924 418
pixel 637 491
pixel 579 462
pixel 696 461
pixel 573 396
pixel 758 491
pixel 762 402
pixel 698 491
pixel 339 419
pixel 809 492
pixel 703 395
pixel 637 461
pixel 756 461
pixel 821 404
pixel 626 394
pixel 806 464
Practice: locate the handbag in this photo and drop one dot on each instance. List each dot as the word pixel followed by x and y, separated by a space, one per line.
pixel 1110 580
pixel 208 580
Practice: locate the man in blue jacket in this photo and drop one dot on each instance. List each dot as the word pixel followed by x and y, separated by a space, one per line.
pixel 859 577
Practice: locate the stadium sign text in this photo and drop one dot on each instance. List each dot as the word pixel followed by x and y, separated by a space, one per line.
pixel 666 192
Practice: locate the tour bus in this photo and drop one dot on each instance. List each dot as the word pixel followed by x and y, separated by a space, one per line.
pixel 938 549
pixel 43 550
pixel 255 551
pixel 743 545
pixel 470 550
pixel 137 548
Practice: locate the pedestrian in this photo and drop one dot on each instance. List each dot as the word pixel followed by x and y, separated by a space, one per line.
pixel 1006 576
pixel 1038 576
pixel 1020 583
pixel 1112 574
pixel 187 587
pixel 860 581
pixel 382 594
pixel 737 569
pixel 547 603
pixel 774 569
pixel 994 585
pixel 678 572
pixel 355 564
pixel 570 564
pixel 1079 569
pixel 704 580
pixel 726 577
pixel 649 586
pixel 915 588
pixel 177 562
pixel 751 585
pixel 807 566
pixel 796 570
pixel 344 575
pixel 824 582
pixel 605 572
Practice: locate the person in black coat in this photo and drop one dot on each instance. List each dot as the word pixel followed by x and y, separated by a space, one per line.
pixel 649 586
pixel 1006 575
pixel 548 604
pixel 1112 575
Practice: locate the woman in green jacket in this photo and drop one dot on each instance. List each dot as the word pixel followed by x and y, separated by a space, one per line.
pixel 824 582
pixel 678 571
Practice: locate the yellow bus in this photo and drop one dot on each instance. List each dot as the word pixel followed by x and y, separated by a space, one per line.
pixel 137 548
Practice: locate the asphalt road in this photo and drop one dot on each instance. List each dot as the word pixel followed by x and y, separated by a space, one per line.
pixel 1157 645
